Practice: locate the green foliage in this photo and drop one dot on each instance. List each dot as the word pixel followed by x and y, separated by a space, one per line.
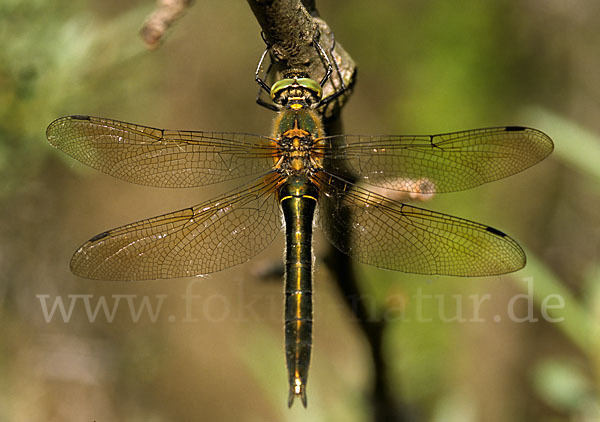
pixel 57 59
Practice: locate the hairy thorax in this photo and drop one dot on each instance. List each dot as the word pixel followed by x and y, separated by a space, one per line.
pixel 298 133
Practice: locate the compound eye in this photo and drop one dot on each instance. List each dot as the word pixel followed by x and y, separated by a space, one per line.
pixel 280 86
pixel 311 85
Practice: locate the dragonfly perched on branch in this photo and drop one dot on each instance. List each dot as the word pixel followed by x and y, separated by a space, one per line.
pixel 302 174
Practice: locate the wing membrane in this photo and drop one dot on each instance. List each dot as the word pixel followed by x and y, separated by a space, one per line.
pixel 437 163
pixel 209 237
pixel 159 157
pixel 396 236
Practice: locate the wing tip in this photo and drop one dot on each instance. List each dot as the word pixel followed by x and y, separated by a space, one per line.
pixel 541 136
pixel 54 126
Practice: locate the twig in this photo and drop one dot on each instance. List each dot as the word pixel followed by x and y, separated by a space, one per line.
pixel 165 14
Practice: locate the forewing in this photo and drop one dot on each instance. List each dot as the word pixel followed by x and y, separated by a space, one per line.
pixel 209 237
pixel 159 157
pixel 396 236
pixel 437 163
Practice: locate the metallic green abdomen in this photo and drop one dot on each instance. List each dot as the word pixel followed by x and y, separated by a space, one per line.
pixel 298 198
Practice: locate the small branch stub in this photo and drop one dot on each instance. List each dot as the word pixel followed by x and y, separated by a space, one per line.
pixel 157 24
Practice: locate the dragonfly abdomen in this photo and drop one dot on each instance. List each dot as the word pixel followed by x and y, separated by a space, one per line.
pixel 298 198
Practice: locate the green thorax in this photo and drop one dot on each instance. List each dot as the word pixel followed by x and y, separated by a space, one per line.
pixel 299 122
pixel 297 128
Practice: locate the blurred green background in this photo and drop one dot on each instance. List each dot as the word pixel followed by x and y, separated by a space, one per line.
pixel 424 67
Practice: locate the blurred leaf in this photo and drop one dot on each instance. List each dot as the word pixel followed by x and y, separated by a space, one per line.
pixel 575 320
pixel 561 384
pixel 56 59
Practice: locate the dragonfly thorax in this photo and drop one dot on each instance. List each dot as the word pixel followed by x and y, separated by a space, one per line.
pixel 295 133
pixel 295 150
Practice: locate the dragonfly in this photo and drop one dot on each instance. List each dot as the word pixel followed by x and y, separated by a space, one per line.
pixel 295 179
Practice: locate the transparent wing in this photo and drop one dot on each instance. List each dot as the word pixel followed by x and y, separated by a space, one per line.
pixel 159 157
pixel 209 237
pixel 396 236
pixel 436 163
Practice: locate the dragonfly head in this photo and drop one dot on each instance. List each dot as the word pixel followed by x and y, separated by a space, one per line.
pixel 296 92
